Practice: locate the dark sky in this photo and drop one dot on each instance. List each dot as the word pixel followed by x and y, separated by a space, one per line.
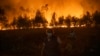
pixel 61 7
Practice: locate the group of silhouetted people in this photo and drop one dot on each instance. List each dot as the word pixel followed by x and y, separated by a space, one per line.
pixel 51 44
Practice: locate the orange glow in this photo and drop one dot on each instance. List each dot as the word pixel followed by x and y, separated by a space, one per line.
pixel 47 8
pixel 0 28
pixel 83 25
pixel 60 7
pixel 63 26
pixel 64 9
pixel 14 8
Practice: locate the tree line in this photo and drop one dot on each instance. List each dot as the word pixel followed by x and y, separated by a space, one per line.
pixel 39 20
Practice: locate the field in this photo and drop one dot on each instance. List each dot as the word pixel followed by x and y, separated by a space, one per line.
pixel 28 42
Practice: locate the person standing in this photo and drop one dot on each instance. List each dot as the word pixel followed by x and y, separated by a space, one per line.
pixel 71 42
pixel 51 44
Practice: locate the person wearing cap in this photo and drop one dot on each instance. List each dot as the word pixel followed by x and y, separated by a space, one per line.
pixel 51 44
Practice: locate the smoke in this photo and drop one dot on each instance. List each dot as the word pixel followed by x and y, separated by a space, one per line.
pixel 13 8
pixel 91 5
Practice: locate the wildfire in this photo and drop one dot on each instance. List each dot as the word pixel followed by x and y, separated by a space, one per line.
pixel 47 8
pixel 48 26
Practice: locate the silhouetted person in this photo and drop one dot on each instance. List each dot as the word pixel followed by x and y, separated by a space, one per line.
pixel 72 36
pixel 51 44
pixel 70 44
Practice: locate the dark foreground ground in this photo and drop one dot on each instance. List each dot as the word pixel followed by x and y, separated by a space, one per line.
pixel 29 42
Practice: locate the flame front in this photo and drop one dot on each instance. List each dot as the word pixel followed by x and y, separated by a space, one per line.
pixel 15 8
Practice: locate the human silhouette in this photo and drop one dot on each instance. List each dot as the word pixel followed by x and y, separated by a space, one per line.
pixel 70 46
pixel 51 44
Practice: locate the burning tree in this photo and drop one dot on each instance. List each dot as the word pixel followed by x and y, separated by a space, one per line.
pixel 23 22
pixel 96 18
pixel 14 23
pixel 68 21
pixel 87 19
pixel 61 20
pixel 53 20
pixel 3 19
pixel 74 20
pixel 39 20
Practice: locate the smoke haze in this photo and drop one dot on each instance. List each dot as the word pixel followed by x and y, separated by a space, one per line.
pixel 13 8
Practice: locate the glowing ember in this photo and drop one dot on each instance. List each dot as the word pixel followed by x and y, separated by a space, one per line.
pixel 64 26
pixel 83 25
pixel 72 26
pixel 49 27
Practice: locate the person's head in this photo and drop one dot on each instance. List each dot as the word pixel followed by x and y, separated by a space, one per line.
pixel 49 32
